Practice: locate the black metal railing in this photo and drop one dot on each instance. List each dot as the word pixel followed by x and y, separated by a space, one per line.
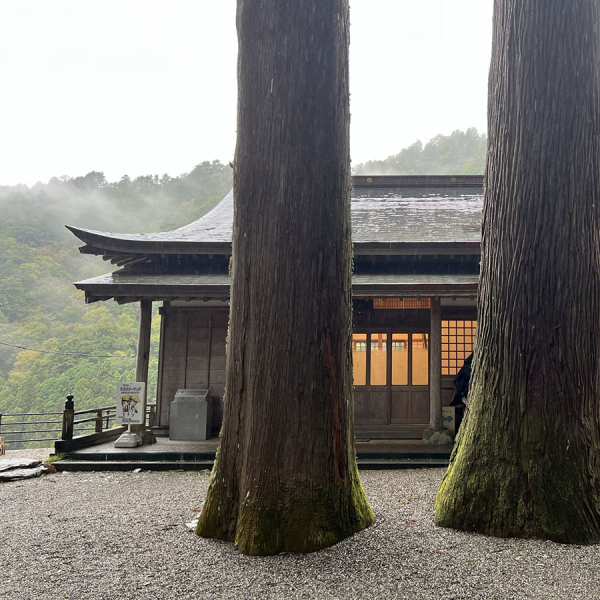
pixel 19 429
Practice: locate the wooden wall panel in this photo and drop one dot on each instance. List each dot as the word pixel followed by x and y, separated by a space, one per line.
pixel 196 379
pixel 447 389
pixel 221 319
pixel 193 356
pixel 400 407
pixel 172 368
pixel 218 362
pixel 419 406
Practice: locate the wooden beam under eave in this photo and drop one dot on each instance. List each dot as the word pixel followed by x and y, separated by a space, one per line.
pixel 417 181
pixel 133 261
pixel 126 260
pixel 127 299
pixel 88 250
pixel 429 249
pixel 91 298
pixel 119 260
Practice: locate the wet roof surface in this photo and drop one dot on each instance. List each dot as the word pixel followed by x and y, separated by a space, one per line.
pixel 125 278
pixel 417 215
pixel 378 215
pixel 128 278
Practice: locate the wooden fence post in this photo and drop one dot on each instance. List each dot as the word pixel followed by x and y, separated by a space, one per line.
pixel 68 418
pixel 98 424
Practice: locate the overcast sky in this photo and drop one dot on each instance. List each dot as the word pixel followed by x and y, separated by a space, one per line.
pixel 149 86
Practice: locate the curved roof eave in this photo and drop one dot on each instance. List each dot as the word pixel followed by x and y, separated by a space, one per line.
pixel 98 242
pixel 396 220
pixel 210 234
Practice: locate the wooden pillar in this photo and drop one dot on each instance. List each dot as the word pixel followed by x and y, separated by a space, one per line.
pixel 162 401
pixel 143 360
pixel 435 366
pixel 143 351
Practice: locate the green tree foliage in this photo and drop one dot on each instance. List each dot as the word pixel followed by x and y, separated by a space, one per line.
pixel 460 153
pixel 87 348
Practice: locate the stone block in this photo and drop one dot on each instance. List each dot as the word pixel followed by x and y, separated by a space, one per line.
pixel 191 416
pixel 437 438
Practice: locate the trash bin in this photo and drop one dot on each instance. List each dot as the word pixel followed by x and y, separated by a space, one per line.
pixel 191 416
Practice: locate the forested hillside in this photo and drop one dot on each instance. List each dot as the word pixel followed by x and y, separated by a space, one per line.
pixel 85 349
pixel 51 342
pixel 460 153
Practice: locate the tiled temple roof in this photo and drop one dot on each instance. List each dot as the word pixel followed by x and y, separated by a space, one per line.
pixel 380 215
pixel 435 222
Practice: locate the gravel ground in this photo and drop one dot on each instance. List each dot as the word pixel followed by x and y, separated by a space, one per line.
pixel 123 535
pixel 37 453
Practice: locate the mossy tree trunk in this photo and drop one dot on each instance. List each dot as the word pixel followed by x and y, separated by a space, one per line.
pixel 285 477
pixel 528 456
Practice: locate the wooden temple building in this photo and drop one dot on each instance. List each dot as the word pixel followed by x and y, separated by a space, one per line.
pixel 416 266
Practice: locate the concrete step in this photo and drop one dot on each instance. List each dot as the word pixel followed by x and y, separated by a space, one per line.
pixel 127 465
pixel 143 457
pixel 201 465
pixel 139 457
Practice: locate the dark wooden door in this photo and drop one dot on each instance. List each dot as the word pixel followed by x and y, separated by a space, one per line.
pixel 391 378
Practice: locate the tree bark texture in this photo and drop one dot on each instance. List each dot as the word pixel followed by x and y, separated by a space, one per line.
pixel 527 459
pixel 285 477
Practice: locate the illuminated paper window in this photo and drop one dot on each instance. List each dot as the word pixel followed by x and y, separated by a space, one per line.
pixel 420 358
pixel 359 358
pixel 399 358
pixel 378 359
pixel 457 343
pixel 401 303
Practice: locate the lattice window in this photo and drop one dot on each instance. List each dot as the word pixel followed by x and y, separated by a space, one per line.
pixel 457 344
pixel 401 303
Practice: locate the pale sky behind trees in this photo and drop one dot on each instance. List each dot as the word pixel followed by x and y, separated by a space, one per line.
pixel 141 87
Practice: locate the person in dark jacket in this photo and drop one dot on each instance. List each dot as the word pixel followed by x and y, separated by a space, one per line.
pixel 461 383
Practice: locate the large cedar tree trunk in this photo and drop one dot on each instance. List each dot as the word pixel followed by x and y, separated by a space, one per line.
pixel 528 456
pixel 285 478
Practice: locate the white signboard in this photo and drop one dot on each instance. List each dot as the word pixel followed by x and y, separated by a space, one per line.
pixel 131 409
